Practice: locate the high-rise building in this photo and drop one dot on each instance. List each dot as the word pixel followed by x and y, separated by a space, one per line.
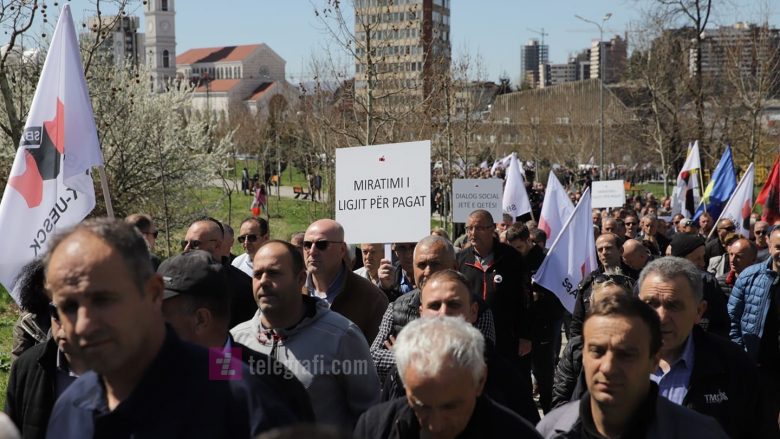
pixel 401 45
pixel 160 41
pixel 533 56
pixel 554 74
pixel 614 63
pixel 745 45
pixel 122 44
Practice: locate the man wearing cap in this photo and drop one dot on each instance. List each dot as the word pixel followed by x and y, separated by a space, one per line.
pixel 196 306
pixel 715 318
pixel 251 235
pixel 143 376
pixel 325 351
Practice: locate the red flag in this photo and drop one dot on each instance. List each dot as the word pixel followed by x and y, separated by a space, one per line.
pixel 769 197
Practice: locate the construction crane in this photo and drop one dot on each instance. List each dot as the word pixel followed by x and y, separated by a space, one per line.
pixel 542 51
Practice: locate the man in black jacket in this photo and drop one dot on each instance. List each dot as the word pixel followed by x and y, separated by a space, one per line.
pixel 699 370
pixel 496 274
pixel 441 361
pixel 207 234
pixel 38 377
pixel 196 305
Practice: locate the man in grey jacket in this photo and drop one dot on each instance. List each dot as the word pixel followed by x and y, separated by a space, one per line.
pixel 326 352
pixel 621 401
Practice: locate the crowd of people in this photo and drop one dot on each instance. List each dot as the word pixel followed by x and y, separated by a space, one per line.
pixel 676 334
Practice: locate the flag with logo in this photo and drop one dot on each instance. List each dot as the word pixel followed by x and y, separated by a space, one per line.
pixel 769 197
pixel 572 255
pixel 686 196
pixel 720 187
pixel 515 200
pixel 740 204
pixel 50 187
pixel 556 208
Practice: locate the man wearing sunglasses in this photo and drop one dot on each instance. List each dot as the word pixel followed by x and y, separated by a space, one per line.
pixel 251 235
pixel 329 278
pixel 761 232
pixel 717 247
pixel 149 231
pixel 207 234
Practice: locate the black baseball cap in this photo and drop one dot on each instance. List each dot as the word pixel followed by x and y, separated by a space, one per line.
pixel 684 244
pixel 193 273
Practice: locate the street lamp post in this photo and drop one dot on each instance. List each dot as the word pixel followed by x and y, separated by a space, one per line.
pixel 602 73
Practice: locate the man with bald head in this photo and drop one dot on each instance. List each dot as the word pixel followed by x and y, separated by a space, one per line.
pixel 635 254
pixel 497 274
pixel 742 254
pixel 717 247
pixel 609 225
pixel 207 234
pixel 431 255
pixel 349 294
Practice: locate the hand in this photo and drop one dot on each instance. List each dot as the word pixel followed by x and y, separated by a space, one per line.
pixel 524 347
pixel 389 343
pixel 386 274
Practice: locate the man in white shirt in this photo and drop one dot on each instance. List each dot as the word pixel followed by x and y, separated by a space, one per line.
pixel 252 234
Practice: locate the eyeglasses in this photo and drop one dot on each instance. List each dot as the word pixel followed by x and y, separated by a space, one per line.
pixel 250 238
pixel 479 228
pixel 155 233
pixel 194 244
pixel 53 312
pixel 321 245
pixel 629 224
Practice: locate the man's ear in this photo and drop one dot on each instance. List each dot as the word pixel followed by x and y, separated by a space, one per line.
pixel 700 310
pixel 154 287
pixel 203 320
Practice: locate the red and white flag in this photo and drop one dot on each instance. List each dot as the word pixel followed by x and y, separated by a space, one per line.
pixel 740 204
pixel 556 208
pixel 572 255
pixel 769 197
pixel 50 186
pixel 515 200
pixel 687 193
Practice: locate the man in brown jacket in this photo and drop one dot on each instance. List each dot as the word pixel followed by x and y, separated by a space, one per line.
pixel 352 296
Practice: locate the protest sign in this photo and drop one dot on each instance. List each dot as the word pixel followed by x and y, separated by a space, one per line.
pixel 470 194
pixel 383 192
pixel 610 193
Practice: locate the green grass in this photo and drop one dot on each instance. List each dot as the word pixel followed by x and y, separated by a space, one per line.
pixel 291 176
pixel 287 216
pixel 8 315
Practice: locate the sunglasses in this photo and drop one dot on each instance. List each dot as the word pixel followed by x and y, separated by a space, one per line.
pixel 194 244
pixel 250 238
pixel 616 279
pixel 759 232
pixel 728 229
pixel 630 224
pixel 321 245
pixel 53 312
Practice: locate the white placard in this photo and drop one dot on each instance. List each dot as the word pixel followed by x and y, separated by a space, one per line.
pixel 611 193
pixel 383 192
pixel 470 194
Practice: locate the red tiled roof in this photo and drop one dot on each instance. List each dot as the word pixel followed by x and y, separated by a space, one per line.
pixel 218 85
pixel 256 93
pixel 216 54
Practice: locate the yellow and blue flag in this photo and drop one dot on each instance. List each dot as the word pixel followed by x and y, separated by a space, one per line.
pixel 722 184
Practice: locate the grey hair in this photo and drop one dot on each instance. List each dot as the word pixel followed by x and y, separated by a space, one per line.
pixel 431 344
pixel 119 235
pixel 670 267
pixel 436 239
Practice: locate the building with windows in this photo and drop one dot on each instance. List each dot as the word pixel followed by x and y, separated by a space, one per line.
pixel 123 44
pixel 746 45
pixel 615 52
pixel 534 55
pixel 401 46
pixel 248 75
pixel 160 41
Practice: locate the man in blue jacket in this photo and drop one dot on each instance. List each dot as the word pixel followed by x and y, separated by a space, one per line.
pixel 754 310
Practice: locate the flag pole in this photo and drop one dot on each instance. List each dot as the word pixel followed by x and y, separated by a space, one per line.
pixel 106 195
pixel 701 188
pixel 728 203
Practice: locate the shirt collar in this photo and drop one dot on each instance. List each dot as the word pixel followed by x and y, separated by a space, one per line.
pixel 686 357
pixel 333 289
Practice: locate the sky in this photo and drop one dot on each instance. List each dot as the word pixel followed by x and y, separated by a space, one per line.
pixel 493 29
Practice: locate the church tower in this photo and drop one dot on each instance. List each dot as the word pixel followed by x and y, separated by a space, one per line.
pixel 160 41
